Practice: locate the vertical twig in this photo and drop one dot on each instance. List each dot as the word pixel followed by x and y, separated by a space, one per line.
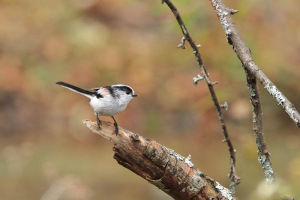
pixel 263 153
pixel 234 179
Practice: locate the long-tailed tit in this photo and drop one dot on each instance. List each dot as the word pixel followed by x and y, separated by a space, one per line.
pixel 106 101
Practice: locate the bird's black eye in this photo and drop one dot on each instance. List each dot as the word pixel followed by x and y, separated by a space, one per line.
pixel 127 92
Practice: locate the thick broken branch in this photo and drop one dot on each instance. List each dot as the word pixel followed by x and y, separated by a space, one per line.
pixel 160 166
pixel 244 54
pixel 234 178
pixel 263 153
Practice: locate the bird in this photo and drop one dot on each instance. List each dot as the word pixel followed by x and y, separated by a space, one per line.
pixel 106 101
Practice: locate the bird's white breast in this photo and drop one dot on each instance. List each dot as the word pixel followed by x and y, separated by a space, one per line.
pixel 107 106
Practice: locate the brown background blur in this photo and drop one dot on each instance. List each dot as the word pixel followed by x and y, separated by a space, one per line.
pixel 47 153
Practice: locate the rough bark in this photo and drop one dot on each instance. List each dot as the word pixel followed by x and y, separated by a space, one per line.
pixel 160 166
pixel 263 153
pixel 244 54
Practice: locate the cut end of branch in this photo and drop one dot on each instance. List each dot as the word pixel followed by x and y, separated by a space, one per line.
pixel 106 130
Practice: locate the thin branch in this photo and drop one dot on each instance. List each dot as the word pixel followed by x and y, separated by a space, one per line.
pixel 160 166
pixel 287 198
pixel 244 54
pixel 263 153
pixel 234 179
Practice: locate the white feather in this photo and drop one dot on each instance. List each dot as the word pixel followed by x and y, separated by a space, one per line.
pixel 110 106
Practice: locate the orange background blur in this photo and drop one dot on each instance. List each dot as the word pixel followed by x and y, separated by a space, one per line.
pixel 47 153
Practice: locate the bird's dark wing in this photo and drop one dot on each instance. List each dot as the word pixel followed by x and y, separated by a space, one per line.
pixel 96 92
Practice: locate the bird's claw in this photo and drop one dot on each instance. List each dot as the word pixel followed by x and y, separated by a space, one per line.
pixel 99 122
pixel 116 128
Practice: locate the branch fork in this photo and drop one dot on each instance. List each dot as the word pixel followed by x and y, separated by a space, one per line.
pixel 182 44
pixel 224 106
pixel 244 54
pixel 197 79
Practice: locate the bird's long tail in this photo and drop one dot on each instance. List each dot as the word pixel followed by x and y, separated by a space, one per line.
pixel 76 89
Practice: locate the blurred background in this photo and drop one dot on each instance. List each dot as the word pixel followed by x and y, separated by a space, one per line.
pixel 47 153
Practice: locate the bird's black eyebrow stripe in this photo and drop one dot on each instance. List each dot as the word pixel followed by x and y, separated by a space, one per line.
pixel 124 88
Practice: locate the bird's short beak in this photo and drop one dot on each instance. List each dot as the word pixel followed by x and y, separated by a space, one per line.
pixel 134 95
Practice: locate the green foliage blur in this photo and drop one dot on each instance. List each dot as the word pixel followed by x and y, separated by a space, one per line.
pixel 47 153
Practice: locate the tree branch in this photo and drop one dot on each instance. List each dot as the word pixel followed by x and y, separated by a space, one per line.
pixel 160 166
pixel 263 153
pixel 244 54
pixel 234 179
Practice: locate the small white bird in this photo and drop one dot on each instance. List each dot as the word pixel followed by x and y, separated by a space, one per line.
pixel 106 101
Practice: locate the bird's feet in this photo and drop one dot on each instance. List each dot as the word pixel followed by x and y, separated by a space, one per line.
pixel 116 128
pixel 99 123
